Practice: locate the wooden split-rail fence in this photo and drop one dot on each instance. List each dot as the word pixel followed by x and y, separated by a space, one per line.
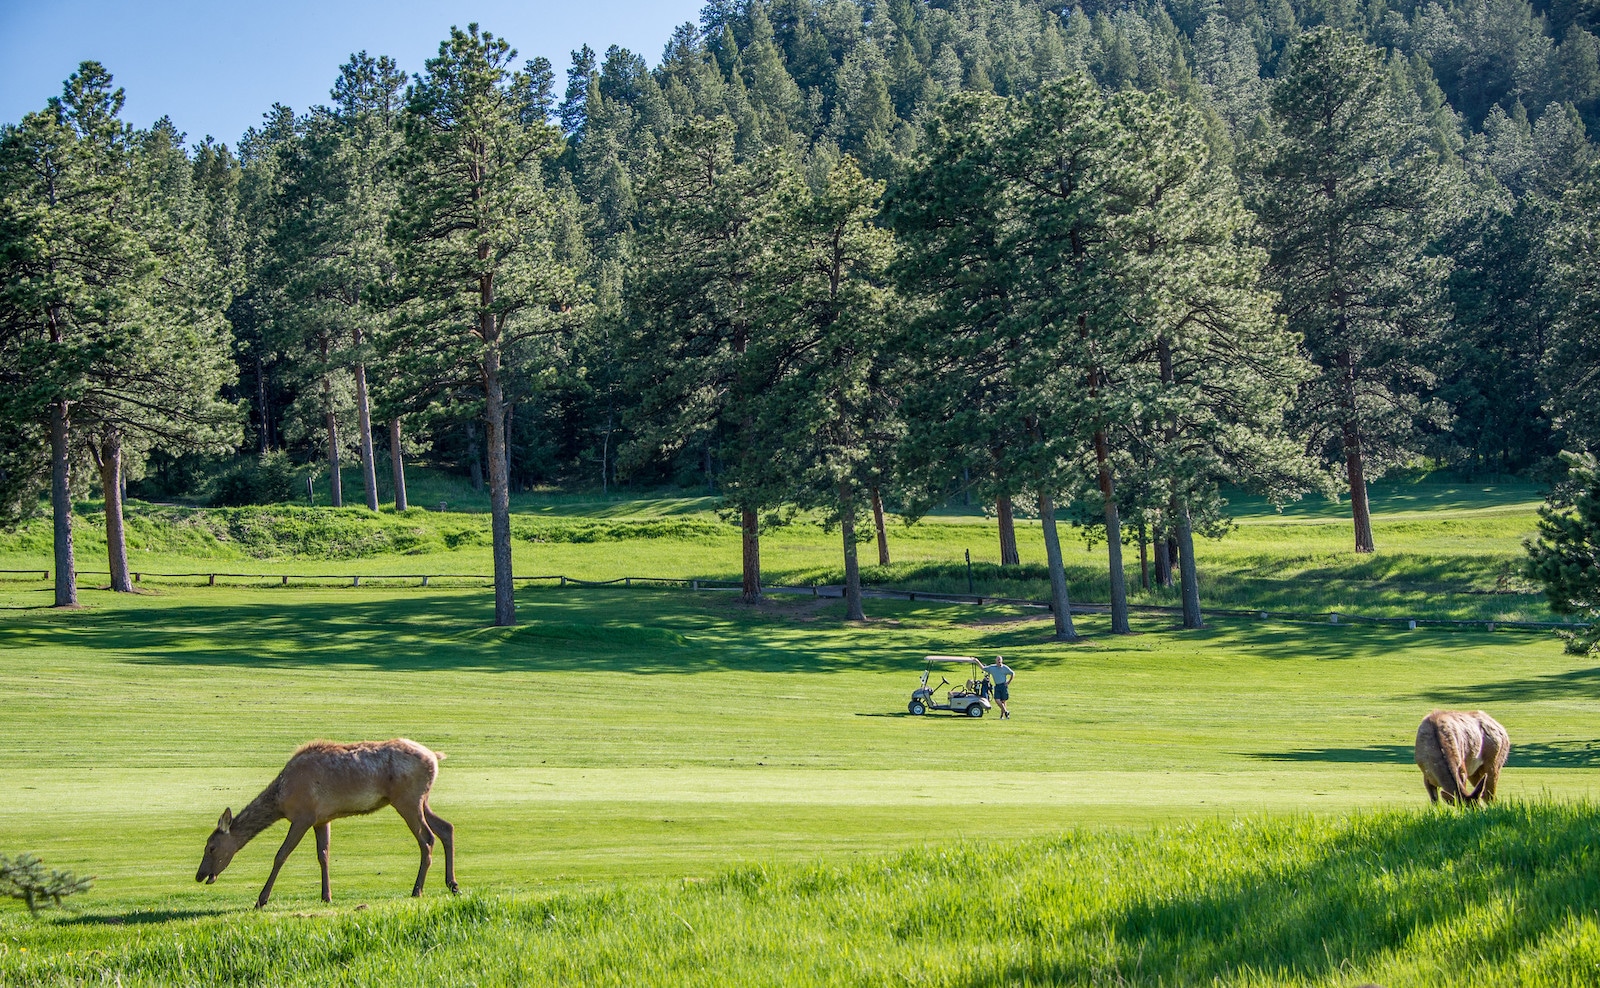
pixel 813 590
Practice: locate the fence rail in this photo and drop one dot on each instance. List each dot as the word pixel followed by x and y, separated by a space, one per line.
pixel 827 590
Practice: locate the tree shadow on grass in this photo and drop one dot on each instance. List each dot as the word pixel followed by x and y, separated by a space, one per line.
pixel 1334 906
pixel 634 631
pixel 1527 754
pixel 1574 683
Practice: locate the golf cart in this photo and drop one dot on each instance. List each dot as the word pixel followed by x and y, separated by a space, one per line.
pixel 971 698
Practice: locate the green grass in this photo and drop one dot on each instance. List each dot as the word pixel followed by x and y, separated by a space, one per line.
pixel 1404 898
pixel 654 786
pixel 661 787
pixel 1446 549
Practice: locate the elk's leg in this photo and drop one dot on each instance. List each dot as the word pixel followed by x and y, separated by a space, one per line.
pixel 447 837
pixel 1483 781
pixel 412 815
pixel 323 837
pixel 297 830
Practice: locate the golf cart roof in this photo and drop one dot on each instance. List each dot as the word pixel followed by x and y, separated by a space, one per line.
pixel 969 660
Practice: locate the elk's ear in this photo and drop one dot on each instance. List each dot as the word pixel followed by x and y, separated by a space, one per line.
pixel 225 822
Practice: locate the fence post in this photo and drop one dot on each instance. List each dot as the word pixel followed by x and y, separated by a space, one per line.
pixel 213 581
pixel 563 581
pixel 627 581
pixel 1411 625
pixel 355 581
pixel 1333 618
pixel 285 582
pixel 1262 615
pixel 1488 626
pixel 694 584
pixel 424 580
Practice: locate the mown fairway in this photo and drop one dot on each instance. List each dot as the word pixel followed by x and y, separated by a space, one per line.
pixel 666 787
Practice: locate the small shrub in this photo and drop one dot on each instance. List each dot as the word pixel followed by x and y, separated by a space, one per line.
pixel 25 878
pixel 269 479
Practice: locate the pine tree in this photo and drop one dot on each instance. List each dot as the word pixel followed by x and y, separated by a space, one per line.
pixel 825 306
pixel 1347 192
pixel 77 276
pixel 1566 557
pixel 470 230
pixel 691 321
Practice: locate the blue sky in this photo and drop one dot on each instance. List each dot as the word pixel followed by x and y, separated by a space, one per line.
pixel 215 67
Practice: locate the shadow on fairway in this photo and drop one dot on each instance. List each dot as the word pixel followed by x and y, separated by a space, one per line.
pixel 1340 903
pixel 1550 754
pixel 636 631
pixel 1575 683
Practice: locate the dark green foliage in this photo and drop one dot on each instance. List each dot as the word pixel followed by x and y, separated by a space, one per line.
pixel 24 877
pixel 1572 365
pixel 1566 558
pixel 269 479
pixel 1347 190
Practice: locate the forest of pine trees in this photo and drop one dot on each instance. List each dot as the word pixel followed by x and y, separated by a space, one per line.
pixel 1114 258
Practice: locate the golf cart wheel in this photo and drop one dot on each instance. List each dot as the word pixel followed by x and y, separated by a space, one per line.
pixel 916 708
pixel 976 710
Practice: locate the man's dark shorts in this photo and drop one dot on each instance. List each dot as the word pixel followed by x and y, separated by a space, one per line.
pixel 1002 691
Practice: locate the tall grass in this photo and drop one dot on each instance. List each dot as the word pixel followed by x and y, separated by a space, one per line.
pixel 1428 897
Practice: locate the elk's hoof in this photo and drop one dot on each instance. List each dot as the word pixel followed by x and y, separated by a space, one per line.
pixel 455 889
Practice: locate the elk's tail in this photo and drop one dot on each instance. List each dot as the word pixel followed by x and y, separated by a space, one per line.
pixel 439 756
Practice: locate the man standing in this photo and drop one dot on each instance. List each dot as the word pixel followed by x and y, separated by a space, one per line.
pixel 1002 675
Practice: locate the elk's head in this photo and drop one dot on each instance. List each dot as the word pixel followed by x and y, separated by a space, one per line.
pixel 220 849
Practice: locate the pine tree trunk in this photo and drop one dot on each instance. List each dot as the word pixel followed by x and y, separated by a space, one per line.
pixel 61 503
pixel 852 567
pixel 397 463
pixel 1008 531
pixel 1163 562
pixel 877 524
pixel 1188 569
pixel 505 604
pixel 1360 510
pixel 109 459
pixel 1119 587
pixel 1144 556
pixel 474 458
pixel 369 464
pixel 264 437
pixel 750 534
pixel 1060 603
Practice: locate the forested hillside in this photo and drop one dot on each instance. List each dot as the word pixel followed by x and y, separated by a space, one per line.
pixel 833 254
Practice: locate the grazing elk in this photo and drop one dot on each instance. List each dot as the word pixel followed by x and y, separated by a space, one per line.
pixel 1457 749
pixel 324 781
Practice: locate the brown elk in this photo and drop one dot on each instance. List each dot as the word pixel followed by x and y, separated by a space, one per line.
pixel 324 781
pixel 1459 749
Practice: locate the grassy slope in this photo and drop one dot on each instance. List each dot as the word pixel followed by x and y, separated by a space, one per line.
pixel 644 737
pixel 1445 549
